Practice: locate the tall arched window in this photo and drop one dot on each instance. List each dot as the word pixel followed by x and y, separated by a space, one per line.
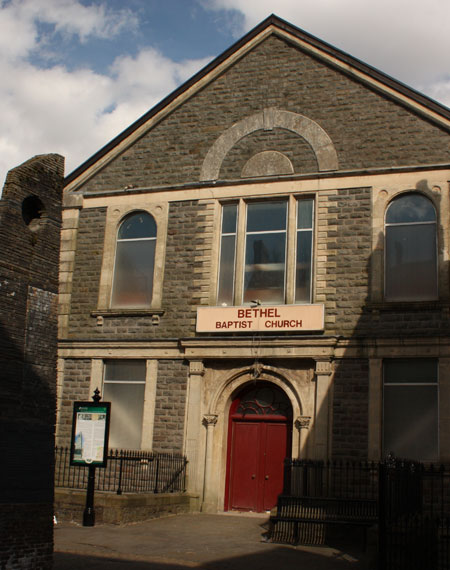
pixel 134 264
pixel 410 252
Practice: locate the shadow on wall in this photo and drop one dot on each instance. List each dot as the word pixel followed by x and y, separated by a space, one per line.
pixel 363 318
pixel 27 420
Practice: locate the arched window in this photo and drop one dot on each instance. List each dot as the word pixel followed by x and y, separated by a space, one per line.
pixel 261 399
pixel 410 252
pixel 134 264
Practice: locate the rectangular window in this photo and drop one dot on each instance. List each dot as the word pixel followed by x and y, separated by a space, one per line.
pixel 410 402
pixel 124 387
pixel 227 255
pixel 303 271
pixel 266 252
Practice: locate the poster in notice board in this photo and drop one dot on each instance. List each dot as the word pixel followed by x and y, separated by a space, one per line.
pixel 90 432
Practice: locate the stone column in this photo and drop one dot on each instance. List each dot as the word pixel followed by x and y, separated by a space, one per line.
pixel 323 411
pixel 193 441
pixel 209 421
pixel 444 412
pixel 302 423
pixel 375 412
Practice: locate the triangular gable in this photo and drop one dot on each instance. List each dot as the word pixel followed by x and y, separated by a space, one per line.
pixel 377 80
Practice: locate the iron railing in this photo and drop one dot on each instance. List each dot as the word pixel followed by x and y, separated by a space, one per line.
pixel 414 504
pixel 331 479
pixel 127 471
pixel 410 501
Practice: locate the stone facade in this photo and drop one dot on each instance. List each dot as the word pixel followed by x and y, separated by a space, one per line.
pixel 280 119
pixel 368 130
pixel 30 222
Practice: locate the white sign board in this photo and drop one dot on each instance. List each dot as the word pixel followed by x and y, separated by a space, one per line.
pixel 261 319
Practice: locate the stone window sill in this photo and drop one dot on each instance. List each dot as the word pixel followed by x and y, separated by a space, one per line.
pixel 101 314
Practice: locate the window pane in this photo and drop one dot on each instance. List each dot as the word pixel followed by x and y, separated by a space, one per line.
pixel 125 370
pixel 229 216
pixel 139 225
pixel 411 262
pixel 410 371
pixel 133 274
pixel 410 208
pixel 226 271
pixel 411 422
pixel 303 268
pixel 264 268
pixel 305 214
pixel 266 216
pixel 127 405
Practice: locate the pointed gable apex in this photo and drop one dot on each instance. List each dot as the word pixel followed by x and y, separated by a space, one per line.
pixel 360 71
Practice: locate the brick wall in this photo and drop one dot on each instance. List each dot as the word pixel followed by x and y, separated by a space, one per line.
pixel 77 376
pixel 344 241
pixel 170 406
pixel 87 268
pixel 186 276
pixel 350 409
pixel 26 539
pixel 367 129
pixel 30 221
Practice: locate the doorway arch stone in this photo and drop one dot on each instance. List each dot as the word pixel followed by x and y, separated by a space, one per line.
pixel 216 423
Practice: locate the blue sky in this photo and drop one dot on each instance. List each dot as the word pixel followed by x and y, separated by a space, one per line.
pixel 75 73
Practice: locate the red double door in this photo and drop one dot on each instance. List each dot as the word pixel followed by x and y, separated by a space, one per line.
pixel 256 457
pixel 259 440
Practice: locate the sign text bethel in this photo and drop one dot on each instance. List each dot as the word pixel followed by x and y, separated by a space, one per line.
pixel 261 318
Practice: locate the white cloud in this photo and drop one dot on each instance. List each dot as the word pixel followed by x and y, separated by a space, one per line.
pixel 73 113
pixel 407 39
pixel 19 18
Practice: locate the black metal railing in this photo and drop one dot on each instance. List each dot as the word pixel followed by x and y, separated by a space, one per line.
pixel 127 471
pixel 414 504
pixel 409 501
pixel 332 479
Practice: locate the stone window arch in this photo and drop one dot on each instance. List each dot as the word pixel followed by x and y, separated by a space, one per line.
pixel 268 119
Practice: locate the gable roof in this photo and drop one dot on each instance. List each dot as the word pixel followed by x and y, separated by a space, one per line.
pixel 378 80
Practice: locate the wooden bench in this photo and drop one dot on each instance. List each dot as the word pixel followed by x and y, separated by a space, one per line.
pixel 304 520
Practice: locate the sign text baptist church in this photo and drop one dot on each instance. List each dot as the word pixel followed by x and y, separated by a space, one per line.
pixel 261 318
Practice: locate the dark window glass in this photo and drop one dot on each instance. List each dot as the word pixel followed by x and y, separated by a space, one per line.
pixel 410 208
pixel 138 225
pixel 266 216
pixel 410 403
pixel 411 250
pixel 265 399
pixel 265 252
pixel 303 272
pixel 227 255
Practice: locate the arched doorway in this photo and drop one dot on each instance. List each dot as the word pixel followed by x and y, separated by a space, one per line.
pixel 259 439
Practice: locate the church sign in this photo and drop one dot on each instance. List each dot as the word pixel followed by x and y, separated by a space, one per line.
pixel 262 318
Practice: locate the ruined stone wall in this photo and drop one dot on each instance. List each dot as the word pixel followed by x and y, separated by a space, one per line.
pixel 30 221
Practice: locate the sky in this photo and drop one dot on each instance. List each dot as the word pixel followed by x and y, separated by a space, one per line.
pixel 76 73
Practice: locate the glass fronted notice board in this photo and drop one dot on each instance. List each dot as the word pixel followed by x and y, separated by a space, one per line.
pixel 90 431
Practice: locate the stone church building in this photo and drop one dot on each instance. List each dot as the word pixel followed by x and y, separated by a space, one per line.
pixel 258 268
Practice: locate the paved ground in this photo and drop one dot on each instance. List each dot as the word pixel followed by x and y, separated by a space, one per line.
pixel 209 542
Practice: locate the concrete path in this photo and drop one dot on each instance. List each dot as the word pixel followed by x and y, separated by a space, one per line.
pixel 209 542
